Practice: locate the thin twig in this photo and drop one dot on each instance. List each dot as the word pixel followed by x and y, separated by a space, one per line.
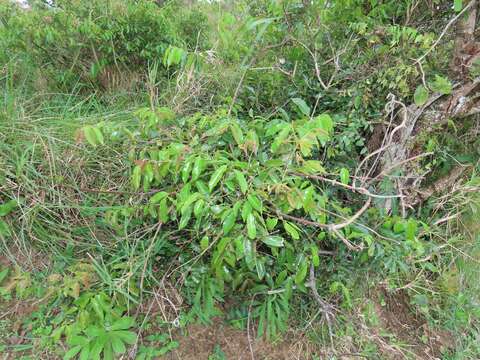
pixel 450 23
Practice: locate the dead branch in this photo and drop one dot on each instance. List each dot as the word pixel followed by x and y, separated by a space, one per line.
pixel 326 308
pixel 450 23
pixel 360 190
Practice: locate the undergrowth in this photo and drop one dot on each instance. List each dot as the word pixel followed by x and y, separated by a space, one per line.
pixel 175 165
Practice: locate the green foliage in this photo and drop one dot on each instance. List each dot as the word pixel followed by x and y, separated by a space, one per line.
pixel 99 42
pixel 223 170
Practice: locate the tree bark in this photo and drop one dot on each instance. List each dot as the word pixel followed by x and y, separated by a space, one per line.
pixel 464 45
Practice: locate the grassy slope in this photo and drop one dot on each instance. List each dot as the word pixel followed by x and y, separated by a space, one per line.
pixel 46 162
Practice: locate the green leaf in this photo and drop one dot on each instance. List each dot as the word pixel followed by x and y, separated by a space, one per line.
pixel 97 348
pixel 271 223
pixel 291 230
pixel 255 202
pixel 260 268
pixel 420 96
pixel 302 106
pixel 8 207
pixel 281 137
pixel 186 171
pixel 124 323
pixel 251 226
pixel 198 167
pixel 85 353
pixel 315 257
pixel 77 340
pixel 163 211
pixel 301 270
pixel 90 135
pixel 325 124
pixel 136 177
pixel 229 222
pixel 98 135
pixel 70 354
pixel 274 241
pixel 117 345
pixel 344 176
pixel 128 337
pixel 204 243
pixel 237 133
pixel 411 229
pixel 216 177
pixel 313 167
pixel 398 227
pixel 442 85
pixel 457 5
pixel 249 253
pixel 159 196
pixel 242 182
pixel 108 352
pixel 4 228
pixel 186 215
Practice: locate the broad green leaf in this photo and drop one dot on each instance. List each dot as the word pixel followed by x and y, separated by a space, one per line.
pixel 77 340
pixel 255 202
pixel 301 270
pixel 420 96
pixel 98 135
pixel 442 85
pixel 315 257
pixel 204 243
pixel 216 177
pixel 237 133
pixel 398 227
pixel 8 207
pixel 186 171
pixel 251 226
pixel 108 352
pixel 246 210
pixel 85 353
pixel 128 337
pixel 313 167
pixel 411 229
pixel 302 106
pixel 90 135
pixel 124 323
pixel 344 176
pixel 117 345
pixel 281 137
pixel 198 208
pixel 97 348
pixel 274 241
pixel 163 211
pixel 186 215
pixel 242 182
pixel 70 354
pixel 260 268
pixel 249 253
pixel 136 177
pixel 271 223
pixel 457 5
pixel 291 230
pixel 198 167
pixel 157 197
pixel 325 124
pixel 229 221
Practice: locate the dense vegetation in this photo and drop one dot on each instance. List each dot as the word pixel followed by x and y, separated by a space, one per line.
pixel 274 166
